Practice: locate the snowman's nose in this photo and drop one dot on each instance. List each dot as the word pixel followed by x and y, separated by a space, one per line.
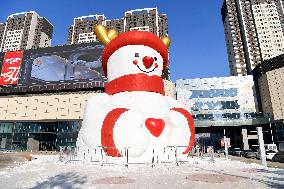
pixel 148 61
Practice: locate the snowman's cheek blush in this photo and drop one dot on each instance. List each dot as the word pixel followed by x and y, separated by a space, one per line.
pixel 135 62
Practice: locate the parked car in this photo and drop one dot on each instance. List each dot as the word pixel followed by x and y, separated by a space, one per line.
pixel 248 154
pixel 230 151
pixel 236 151
pixel 279 156
pixel 272 147
pixel 220 151
pixel 270 154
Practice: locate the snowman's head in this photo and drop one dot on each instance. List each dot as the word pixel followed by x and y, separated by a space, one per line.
pixel 134 59
pixel 134 52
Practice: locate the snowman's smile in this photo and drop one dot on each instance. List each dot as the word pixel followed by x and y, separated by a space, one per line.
pixel 145 71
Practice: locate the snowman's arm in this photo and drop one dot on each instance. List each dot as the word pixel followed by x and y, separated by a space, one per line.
pixel 182 110
pixel 95 110
pixel 95 107
pixel 122 128
pixel 190 124
pixel 107 138
pixel 173 103
pixel 100 98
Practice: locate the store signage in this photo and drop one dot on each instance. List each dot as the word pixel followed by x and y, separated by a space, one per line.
pixel 222 142
pixel 11 68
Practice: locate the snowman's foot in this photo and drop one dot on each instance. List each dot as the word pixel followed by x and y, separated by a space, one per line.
pixel 129 133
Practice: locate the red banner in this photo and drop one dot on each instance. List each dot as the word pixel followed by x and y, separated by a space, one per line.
pixel 11 68
pixel 222 142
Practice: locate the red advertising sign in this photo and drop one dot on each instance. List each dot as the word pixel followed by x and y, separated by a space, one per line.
pixel 222 142
pixel 11 68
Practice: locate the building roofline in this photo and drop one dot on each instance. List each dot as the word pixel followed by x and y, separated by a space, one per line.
pixel 147 9
pixel 92 15
pixel 33 12
pixel 48 21
pixel 215 77
pixel 114 19
pixel 20 13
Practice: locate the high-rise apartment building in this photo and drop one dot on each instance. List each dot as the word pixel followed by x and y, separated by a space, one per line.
pixel 2 29
pixel 146 20
pixel 82 29
pixel 254 31
pixel 118 24
pixel 140 19
pixel 25 30
pixel 269 77
pixel 163 25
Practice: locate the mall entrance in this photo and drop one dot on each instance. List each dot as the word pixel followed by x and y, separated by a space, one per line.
pixel 39 136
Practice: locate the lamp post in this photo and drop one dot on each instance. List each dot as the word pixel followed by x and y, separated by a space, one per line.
pixel 261 146
pixel 271 130
pixel 226 145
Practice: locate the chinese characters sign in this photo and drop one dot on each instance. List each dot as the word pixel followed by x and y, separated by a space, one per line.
pixel 11 68
pixel 222 141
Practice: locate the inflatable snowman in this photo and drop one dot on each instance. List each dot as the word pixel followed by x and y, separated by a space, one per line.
pixel 134 112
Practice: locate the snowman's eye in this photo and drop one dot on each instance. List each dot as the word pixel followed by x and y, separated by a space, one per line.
pixel 136 54
pixel 155 59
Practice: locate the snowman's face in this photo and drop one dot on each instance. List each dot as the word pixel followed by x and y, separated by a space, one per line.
pixel 134 59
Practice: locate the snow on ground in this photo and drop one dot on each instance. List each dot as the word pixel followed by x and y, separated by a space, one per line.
pixel 48 172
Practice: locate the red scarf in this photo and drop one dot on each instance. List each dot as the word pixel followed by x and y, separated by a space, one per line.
pixel 136 82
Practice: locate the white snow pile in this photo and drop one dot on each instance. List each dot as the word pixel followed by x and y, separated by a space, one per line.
pixel 48 172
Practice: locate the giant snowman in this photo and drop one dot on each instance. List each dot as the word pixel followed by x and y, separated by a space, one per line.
pixel 134 114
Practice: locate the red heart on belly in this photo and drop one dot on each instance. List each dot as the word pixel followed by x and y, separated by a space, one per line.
pixel 155 126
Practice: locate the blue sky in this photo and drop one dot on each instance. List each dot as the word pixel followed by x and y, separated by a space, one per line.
pixel 198 46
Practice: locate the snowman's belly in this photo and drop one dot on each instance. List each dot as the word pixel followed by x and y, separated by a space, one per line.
pixel 147 102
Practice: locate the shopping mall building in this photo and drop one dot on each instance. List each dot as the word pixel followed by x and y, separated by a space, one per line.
pixel 229 106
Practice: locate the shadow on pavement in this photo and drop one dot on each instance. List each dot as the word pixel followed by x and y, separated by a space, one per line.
pixel 274 181
pixel 64 180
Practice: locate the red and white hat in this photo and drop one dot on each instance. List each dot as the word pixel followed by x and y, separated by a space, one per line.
pixel 134 38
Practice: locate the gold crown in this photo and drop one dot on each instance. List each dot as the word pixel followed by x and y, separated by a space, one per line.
pixel 105 36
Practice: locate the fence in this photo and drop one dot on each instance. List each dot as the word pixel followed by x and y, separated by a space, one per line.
pixel 166 155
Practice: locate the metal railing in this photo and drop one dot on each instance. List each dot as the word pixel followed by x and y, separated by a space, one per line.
pixel 161 156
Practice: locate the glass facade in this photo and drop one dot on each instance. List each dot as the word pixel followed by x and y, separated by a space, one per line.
pixel 219 98
pixel 219 105
pixel 48 135
pixel 279 130
pixel 211 93
pixel 231 116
